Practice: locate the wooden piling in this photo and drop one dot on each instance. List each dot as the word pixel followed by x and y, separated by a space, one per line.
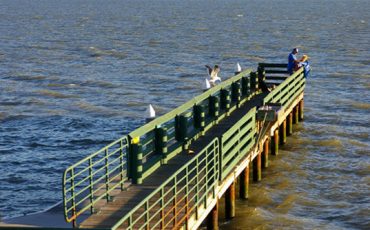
pixel 290 124
pixel 230 202
pixel 265 154
pixel 212 218
pixel 282 132
pixel 275 143
pixel 257 172
pixel 301 107
pixel 295 114
pixel 244 183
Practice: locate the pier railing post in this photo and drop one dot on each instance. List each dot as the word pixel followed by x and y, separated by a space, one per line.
pixel 246 87
pixel 107 178
pixel 244 183
pixel 236 92
pixel 214 106
pixel 137 162
pixel 199 116
pixel 261 73
pixel 181 127
pixel 161 143
pixel 225 100
pixel 254 81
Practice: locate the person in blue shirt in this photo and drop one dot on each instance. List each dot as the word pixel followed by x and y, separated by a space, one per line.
pixel 292 61
pixel 304 62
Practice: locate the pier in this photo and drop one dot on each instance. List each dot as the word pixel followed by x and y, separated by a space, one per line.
pixel 172 172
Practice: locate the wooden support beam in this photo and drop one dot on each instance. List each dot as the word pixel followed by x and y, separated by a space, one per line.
pixel 275 143
pixel 296 114
pixel 244 183
pixel 230 202
pixel 289 127
pixel 265 154
pixel 257 172
pixel 282 132
pixel 212 218
pixel 301 107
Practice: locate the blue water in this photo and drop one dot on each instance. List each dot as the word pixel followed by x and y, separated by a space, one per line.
pixel 76 75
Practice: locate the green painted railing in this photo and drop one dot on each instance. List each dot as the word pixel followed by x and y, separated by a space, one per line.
pixel 237 142
pixel 285 92
pixel 156 142
pixel 178 199
pixel 172 204
pixel 273 71
pixel 136 156
pixel 91 180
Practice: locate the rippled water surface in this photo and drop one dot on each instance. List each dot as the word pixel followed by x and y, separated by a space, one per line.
pixel 76 75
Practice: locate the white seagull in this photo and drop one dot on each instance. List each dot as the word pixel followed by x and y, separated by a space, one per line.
pixel 213 75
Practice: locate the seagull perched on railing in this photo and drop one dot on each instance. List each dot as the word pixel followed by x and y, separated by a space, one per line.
pixel 214 79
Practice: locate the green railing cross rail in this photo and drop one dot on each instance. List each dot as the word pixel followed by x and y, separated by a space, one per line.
pixel 273 71
pixel 179 197
pixel 285 92
pixel 237 141
pixel 91 180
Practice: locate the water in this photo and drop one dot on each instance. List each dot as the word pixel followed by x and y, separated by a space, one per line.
pixel 76 75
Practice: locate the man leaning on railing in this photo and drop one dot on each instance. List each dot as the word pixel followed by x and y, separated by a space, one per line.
pixel 294 64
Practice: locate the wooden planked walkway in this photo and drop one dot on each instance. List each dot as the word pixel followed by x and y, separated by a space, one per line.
pixel 123 202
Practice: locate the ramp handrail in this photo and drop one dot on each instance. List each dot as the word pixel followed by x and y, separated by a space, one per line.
pixel 93 178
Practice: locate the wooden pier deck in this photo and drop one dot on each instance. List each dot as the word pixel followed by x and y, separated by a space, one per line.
pixel 125 201
pixel 171 172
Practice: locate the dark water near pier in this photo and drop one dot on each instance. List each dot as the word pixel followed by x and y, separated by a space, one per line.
pixel 76 75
